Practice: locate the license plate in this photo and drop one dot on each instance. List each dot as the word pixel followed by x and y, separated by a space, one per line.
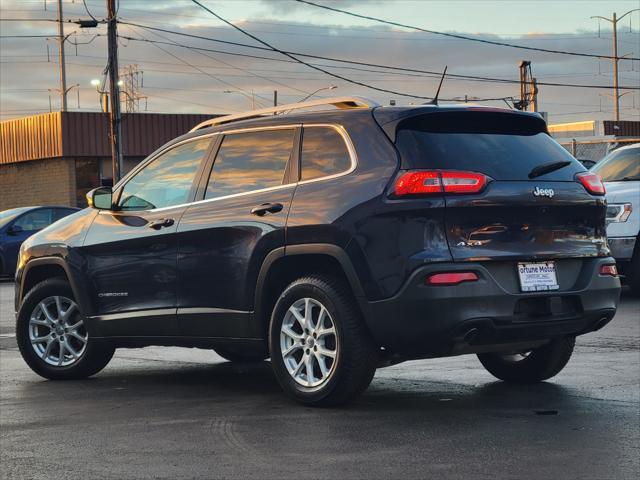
pixel 538 276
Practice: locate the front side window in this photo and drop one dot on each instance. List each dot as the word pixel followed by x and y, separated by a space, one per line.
pixel 324 153
pixel 620 166
pixel 36 220
pixel 250 161
pixel 167 180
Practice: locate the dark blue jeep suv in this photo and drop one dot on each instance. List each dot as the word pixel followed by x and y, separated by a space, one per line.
pixel 334 242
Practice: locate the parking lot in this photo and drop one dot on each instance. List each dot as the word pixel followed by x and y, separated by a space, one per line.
pixel 186 413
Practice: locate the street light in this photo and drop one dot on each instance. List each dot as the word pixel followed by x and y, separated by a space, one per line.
pixel 251 98
pixel 330 87
pixel 104 95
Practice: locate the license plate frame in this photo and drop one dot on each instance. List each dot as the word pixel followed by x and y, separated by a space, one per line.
pixel 538 276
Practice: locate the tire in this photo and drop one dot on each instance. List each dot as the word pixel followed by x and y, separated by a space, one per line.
pixel 534 366
pixel 240 357
pixel 334 380
pixel 633 276
pixel 89 358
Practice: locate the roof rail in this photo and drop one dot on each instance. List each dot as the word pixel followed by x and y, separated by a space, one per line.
pixel 338 102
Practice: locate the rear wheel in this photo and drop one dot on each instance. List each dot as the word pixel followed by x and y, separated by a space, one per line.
pixel 52 335
pixel 321 351
pixel 633 276
pixel 532 366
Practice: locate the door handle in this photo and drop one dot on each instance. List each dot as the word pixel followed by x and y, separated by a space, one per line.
pixel 260 210
pixel 162 222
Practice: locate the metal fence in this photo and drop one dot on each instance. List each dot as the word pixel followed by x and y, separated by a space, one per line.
pixel 596 149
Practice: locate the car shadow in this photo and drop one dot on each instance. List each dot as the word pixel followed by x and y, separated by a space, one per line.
pixel 253 384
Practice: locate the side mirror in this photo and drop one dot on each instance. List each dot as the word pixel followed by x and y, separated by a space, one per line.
pixel 15 230
pixel 100 198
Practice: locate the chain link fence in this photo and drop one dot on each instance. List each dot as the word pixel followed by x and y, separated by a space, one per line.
pixel 596 149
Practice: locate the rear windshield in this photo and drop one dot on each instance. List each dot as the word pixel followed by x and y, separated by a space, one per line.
pixel 505 146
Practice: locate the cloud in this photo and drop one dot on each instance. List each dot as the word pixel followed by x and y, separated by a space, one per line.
pixel 172 85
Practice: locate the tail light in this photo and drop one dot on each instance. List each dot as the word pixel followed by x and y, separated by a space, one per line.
pixel 425 182
pixel 591 182
pixel 609 270
pixel 451 278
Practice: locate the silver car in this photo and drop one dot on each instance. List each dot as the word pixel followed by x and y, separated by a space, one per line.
pixel 620 171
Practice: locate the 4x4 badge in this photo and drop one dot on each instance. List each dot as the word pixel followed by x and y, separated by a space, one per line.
pixel 543 192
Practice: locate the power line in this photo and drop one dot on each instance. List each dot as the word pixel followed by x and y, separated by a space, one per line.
pixel 240 69
pixel 302 62
pixel 182 60
pixel 352 62
pixel 461 37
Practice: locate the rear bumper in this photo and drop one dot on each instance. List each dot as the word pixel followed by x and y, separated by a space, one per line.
pixel 622 247
pixel 423 320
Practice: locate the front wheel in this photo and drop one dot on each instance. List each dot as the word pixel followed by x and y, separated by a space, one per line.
pixel 532 366
pixel 52 334
pixel 321 351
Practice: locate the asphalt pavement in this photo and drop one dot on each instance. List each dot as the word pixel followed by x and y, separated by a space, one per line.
pixel 171 413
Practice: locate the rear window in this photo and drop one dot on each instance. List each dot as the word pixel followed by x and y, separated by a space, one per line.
pixel 505 146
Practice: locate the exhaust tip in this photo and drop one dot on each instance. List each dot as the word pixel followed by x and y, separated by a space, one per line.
pixel 601 323
pixel 470 335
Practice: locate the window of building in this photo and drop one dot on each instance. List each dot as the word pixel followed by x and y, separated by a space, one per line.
pixel 250 161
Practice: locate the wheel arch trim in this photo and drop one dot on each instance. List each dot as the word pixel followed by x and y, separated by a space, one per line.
pixel 331 250
pixel 51 261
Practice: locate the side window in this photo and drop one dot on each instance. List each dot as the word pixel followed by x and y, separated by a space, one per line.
pixel 323 153
pixel 36 220
pixel 250 161
pixel 167 180
pixel 59 213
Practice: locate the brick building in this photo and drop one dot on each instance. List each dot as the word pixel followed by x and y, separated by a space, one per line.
pixel 56 158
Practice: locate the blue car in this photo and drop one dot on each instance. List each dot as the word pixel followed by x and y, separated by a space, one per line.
pixel 18 224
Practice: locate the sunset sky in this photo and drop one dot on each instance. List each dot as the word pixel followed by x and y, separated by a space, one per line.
pixel 178 79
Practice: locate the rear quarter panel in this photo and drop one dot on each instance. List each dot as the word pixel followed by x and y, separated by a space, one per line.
pixel 384 240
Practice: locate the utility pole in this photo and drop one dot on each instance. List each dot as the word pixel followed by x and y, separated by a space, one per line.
pixel 614 24
pixel 63 73
pixel 275 98
pixel 528 88
pixel 114 93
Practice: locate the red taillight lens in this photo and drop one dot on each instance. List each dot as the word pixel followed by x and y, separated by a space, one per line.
pixel 417 183
pixel 609 270
pixel 425 182
pixel 451 278
pixel 591 182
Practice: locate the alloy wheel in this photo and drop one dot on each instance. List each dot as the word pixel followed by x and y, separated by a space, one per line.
pixel 57 331
pixel 308 342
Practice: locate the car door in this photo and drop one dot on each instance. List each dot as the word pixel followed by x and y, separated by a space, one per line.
pixel 224 238
pixel 131 250
pixel 21 229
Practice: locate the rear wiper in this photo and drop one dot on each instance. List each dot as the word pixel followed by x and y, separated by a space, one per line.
pixel 629 179
pixel 548 168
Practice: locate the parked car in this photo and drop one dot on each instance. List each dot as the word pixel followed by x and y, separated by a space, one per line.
pixel 620 171
pixel 587 163
pixel 18 224
pixel 334 242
